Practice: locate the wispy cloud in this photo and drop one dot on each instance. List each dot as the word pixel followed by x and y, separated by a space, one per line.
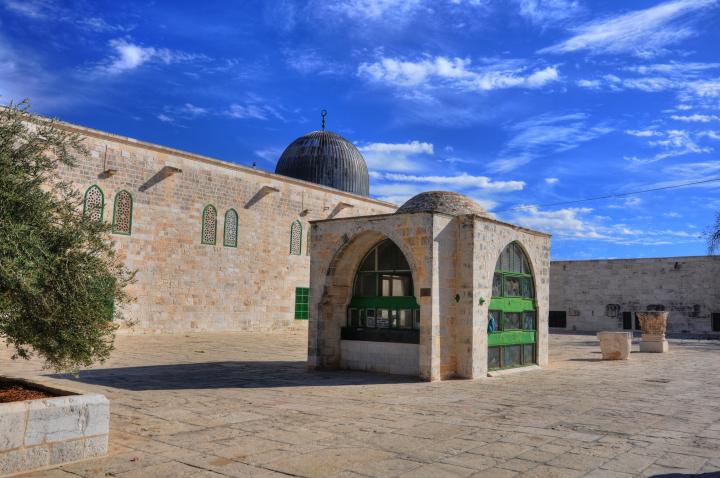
pixel 643 33
pixel 547 12
pixel 372 9
pixel 695 118
pixel 545 134
pixel 463 180
pixel 456 73
pixel 127 56
pixel 672 143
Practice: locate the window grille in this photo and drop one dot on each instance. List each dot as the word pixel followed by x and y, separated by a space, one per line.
pixel 209 225
pixel 295 238
pixel 231 228
pixel 302 303
pixel 122 213
pixel 94 203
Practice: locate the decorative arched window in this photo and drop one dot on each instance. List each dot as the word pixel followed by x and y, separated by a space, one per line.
pixel 209 225
pixel 94 203
pixel 383 298
pixel 512 321
pixel 296 238
pixel 230 231
pixel 122 213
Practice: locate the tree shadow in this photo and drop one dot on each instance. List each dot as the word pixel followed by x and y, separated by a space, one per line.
pixel 211 375
pixel 709 474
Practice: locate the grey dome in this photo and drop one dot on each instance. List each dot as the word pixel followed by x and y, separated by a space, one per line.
pixel 326 158
pixel 446 202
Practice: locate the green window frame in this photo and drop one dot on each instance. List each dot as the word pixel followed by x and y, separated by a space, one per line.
pixel 512 336
pixel 295 238
pixel 209 225
pixel 95 212
pixel 230 228
pixel 302 303
pixel 122 220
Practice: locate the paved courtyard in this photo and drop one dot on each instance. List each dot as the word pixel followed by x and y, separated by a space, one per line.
pixel 243 405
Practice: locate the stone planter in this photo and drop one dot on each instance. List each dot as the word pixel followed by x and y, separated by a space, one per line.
pixel 653 325
pixel 615 345
pixel 37 434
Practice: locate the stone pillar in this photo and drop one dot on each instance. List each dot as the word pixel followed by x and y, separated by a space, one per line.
pixel 654 325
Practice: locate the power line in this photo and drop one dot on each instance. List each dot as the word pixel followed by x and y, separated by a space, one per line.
pixel 610 196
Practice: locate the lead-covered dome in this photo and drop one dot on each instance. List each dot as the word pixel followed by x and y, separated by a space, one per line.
pixel 446 202
pixel 326 158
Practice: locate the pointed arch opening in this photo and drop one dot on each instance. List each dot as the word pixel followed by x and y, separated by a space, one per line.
pixel 209 225
pixel 122 213
pixel 512 316
pixel 295 238
pixel 94 203
pixel 230 228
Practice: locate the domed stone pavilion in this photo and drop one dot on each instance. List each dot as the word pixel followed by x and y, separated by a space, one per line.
pixel 439 289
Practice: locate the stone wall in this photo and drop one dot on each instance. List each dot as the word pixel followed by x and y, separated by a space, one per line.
pixel 36 434
pixel 385 357
pixel 594 294
pixel 184 285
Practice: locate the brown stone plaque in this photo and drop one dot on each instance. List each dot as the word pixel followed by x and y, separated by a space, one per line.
pixel 425 292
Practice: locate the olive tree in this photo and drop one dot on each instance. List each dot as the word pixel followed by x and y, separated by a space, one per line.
pixel 61 283
pixel 713 236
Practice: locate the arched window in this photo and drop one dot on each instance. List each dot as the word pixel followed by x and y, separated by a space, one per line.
pixel 94 203
pixel 122 213
pixel 295 238
pixel 512 322
pixel 230 231
pixel 383 295
pixel 209 225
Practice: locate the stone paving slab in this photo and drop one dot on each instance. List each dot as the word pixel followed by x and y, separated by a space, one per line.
pixel 243 404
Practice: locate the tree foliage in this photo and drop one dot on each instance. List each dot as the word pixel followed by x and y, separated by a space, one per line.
pixel 713 236
pixel 61 283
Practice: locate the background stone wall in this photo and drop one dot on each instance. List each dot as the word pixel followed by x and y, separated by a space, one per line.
pixel 182 284
pixel 596 293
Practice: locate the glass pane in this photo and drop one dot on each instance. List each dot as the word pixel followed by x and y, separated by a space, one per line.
pixel 393 319
pixel 365 285
pixel 505 259
pixel 353 318
pixel 385 285
pixel 516 258
pixel 370 318
pixel 493 358
pixel 494 320
pixel 361 319
pixel 405 319
pixel 390 258
pixel 526 287
pixel 512 287
pixel 528 354
pixel 401 285
pixel 369 263
pixel 525 265
pixel 511 355
pixel 497 285
pixel 416 319
pixel 382 321
pixel 529 320
pixel 512 321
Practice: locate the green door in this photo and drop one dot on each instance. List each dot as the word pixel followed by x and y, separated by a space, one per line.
pixel 512 318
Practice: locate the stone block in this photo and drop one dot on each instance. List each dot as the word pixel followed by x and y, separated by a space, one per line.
pixel 67 451
pixel 12 425
pixel 24 459
pixel 615 345
pixel 66 418
pixel 653 346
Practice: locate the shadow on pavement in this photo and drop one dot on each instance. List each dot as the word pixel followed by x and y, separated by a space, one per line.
pixel 208 375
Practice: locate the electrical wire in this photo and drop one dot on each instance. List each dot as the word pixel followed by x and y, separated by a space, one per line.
pixel 609 196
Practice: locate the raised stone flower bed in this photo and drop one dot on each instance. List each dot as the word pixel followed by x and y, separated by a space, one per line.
pixel 46 432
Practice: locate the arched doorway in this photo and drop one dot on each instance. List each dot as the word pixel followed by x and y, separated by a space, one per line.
pixel 383 305
pixel 512 316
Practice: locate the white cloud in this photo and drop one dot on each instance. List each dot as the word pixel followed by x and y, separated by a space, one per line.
pixel 695 118
pixel 165 118
pixel 643 133
pixel 396 156
pixel 547 12
pixel 36 9
pixel 457 73
pixel 463 180
pixel 271 155
pixel 372 9
pixel 252 111
pixel 129 56
pixel 672 143
pixel 672 214
pixel 552 180
pixel 642 32
pixel 543 135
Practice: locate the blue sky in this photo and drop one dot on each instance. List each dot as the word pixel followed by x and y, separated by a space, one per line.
pixel 516 103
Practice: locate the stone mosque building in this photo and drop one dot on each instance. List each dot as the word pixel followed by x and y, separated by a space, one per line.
pixel 435 288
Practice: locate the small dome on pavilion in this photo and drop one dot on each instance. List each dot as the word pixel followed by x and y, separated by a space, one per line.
pixel 446 202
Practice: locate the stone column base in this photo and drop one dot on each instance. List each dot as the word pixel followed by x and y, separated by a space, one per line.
pixel 654 346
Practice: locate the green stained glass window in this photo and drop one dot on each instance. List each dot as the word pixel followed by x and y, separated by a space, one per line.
pixel 302 303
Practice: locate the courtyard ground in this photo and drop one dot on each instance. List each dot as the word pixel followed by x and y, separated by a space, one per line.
pixel 243 405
